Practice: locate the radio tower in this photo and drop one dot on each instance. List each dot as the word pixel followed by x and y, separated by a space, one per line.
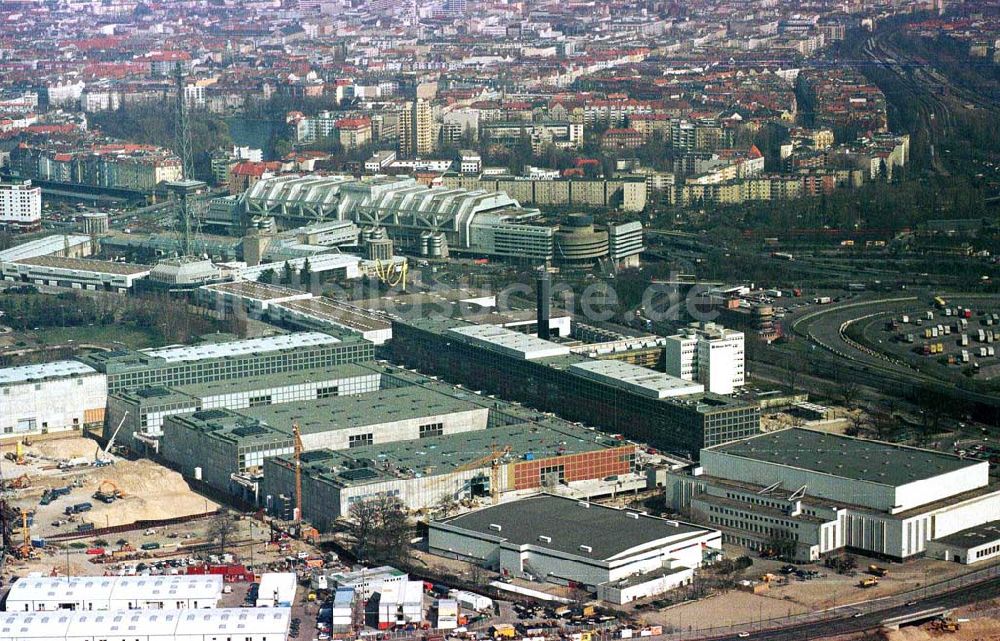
pixel 183 143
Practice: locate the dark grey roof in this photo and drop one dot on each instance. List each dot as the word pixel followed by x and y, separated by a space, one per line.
pixel 846 457
pixel 974 536
pixel 607 531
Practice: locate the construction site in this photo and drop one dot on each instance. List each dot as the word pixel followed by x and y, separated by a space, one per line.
pixel 70 489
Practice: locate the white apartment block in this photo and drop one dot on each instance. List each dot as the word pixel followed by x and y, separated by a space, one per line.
pixel 710 354
pixel 100 100
pixel 20 204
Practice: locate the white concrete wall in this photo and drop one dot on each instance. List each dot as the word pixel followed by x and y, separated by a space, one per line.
pixel 762 473
pixel 653 587
pixel 939 487
pixel 402 430
pixel 52 404
pixel 962 516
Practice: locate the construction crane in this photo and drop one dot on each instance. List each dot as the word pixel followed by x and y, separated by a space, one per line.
pixel 111 441
pixel 297 515
pixel 493 460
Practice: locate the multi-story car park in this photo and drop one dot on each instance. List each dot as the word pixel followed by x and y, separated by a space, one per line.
pixel 549 376
pixel 45 594
pixel 51 397
pixel 141 412
pixel 622 554
pixel 227 359
pixel 246 624
pixel 807 493
pixel 426 471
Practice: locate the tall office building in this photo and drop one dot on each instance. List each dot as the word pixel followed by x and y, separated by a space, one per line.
pixel 707 353
pixel 416 130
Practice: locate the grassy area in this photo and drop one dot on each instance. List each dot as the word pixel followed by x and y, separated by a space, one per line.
pixel 97 334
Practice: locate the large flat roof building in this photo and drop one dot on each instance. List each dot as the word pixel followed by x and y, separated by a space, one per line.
pixel 75 273
pixel 424 471
pixel 810 493
pixel 638 403
pixel 623 554
pixel 226 359
pixel 414 437
pixel 143 410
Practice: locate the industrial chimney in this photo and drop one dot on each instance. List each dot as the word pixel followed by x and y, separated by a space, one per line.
pixel 544 287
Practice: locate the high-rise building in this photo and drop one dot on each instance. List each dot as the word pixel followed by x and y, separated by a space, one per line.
pixel 20 205
pixel 707 353
pixel 416 130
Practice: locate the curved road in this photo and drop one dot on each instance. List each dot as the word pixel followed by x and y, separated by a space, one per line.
pixel 826 327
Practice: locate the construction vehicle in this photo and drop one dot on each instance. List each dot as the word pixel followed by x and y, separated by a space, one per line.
pixel 877 570
pixel 20 483
pixel 296 528
pixel 17 456
pixel 868 582
pixel 493 460
pixel 108 492
pixel 946 624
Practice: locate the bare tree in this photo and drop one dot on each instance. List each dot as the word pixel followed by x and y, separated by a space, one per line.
pixel 222 529
pixel 379 528
pixel 848 392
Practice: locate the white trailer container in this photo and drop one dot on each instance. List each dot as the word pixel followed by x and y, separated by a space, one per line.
pixel 471 600
pixel 277 590
pixel 343 608
pixel 400 603
pixel 447 614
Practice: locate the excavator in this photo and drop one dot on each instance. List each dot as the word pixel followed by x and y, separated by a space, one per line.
pixel 108 492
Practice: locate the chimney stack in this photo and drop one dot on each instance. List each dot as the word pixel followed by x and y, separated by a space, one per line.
pixel 544 286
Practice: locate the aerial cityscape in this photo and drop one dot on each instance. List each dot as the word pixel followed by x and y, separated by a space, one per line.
pixel 499 320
